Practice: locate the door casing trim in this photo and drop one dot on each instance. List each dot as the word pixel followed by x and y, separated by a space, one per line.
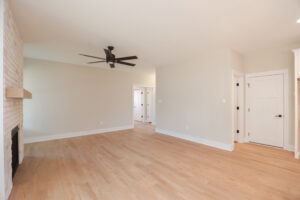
pixel 241 96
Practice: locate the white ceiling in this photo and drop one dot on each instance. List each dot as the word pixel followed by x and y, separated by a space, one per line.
pixel 159 32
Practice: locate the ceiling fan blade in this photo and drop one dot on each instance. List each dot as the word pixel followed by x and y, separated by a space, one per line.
pixel 127 58
pixel 91 56
pixel 96 62
pixel 125 63
pixel 112 65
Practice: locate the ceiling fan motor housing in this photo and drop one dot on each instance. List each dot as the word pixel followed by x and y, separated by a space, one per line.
pixel 110 58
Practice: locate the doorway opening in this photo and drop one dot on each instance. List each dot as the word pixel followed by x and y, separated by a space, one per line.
pixel 143 104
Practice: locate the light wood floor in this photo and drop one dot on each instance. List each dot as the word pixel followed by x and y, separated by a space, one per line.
pixel 140 164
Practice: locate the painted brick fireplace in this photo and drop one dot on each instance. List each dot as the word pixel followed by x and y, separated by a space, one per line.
pixel 12 78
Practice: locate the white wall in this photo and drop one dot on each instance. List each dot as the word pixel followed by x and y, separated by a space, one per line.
pixel 71 98
pixel 236 61
pixel 275 59
pixel 194 98
pixel 189 95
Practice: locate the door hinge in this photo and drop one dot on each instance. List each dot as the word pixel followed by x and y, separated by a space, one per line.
pixel 237 84
pixel 248 85
pixel 142 116
pixel 237 131
pixel 237 107
pixel 248 109
pixel 249 134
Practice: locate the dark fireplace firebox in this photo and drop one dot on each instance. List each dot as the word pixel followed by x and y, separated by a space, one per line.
pixel 15 150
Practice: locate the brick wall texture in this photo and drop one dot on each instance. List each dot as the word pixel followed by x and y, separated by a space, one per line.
pixel 13 77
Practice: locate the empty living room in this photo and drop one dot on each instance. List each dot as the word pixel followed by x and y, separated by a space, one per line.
pixel 149 100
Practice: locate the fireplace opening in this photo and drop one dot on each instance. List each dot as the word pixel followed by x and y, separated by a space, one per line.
pixel 15 150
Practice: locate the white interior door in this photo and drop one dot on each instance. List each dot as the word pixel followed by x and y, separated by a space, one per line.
pixel 266 109
pixel 137 105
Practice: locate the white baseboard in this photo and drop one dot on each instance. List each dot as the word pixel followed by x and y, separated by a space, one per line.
pixel 289 148
pixel 212 143
pixel 75 134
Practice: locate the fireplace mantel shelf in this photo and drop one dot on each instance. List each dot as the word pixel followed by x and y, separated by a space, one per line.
pixel 17 93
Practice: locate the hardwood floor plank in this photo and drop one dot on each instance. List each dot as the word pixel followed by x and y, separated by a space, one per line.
pixel 140 164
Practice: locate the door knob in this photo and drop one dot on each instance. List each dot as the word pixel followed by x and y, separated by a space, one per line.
pixel 278 115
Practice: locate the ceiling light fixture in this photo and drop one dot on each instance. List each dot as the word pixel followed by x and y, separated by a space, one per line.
pixel 298 21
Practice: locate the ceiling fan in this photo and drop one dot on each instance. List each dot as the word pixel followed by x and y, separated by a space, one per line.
pixel 111 58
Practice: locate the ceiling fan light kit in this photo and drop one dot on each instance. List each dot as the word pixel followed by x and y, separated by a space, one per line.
pixel 111 58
